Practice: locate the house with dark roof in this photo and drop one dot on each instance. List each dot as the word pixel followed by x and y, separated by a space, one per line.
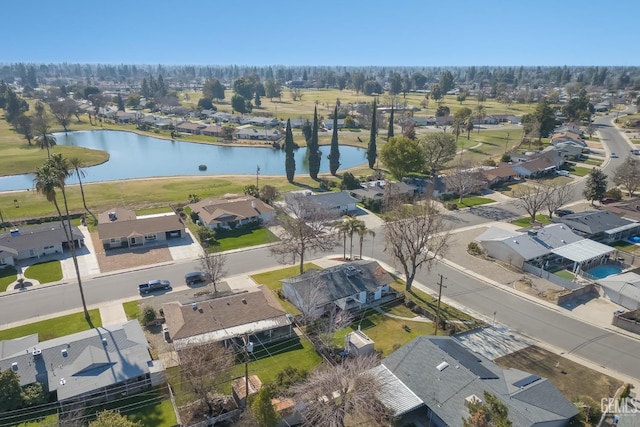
pixel 101 363
pixel 122 228
pixel 259 134
pixel 601 226
pixel 212 130
pixel 228 319
pixel 231 213
pixel 350 286
pixel 627 209
pixel 35 241
pixel 429 381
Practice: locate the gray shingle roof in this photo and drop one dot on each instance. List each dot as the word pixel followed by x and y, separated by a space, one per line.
pixel 37 236
pixel 83 362
pixel 337 284
pixel 332 200
pixel 446 390
pixel 592 222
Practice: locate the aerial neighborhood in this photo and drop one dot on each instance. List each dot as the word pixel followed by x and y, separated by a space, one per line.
pixel 319 246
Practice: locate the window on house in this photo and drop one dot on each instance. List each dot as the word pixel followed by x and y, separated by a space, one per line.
pixel 114 240
pixel 150 237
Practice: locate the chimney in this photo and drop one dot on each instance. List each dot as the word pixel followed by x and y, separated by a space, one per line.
pixel 253 204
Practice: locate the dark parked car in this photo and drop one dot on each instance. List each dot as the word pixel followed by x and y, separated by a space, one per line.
pixel 563 212
pixel 154 285
pixel 607 200
pixel 195 277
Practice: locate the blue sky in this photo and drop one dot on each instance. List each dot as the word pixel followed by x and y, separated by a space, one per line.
pixel 329 32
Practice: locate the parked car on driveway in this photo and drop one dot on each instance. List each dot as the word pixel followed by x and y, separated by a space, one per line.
pixel 561 172
pixel 607 200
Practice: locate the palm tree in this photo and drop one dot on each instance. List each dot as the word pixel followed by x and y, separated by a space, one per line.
pixel 76 164
pixel 343 230
pixel 48 178
pixel 480 114
pixel 362 231
pixel 351 225
pixel 44 138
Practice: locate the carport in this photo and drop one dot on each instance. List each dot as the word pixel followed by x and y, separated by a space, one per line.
pixel 585 254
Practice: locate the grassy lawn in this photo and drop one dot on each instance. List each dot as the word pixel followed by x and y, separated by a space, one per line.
pixel 242 238
pixel 595 161
pixel 473 201
pixel 154 210
pixel 54 328
pixel 571 378
pixel 142 194
pixel 150 408
pixel 494 142
pixel 623 245
pixel 576 170
pixel 565 274
pixel 271 280
pixel 8 275
pixel 526 221
pixel 45 272
pixel 45 420
pixel 131 309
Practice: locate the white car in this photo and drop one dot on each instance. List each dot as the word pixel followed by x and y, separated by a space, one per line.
pixel 614 156
pixel 562 173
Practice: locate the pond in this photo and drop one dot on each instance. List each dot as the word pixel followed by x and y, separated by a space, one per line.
pixel 138 156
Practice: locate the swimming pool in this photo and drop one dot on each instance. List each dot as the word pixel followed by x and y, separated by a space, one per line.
pixel 602 271
pixel 634 239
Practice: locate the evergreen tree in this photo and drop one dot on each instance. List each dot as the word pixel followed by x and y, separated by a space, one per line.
pixel 120 103
pixel 313 149
pixel 290 161
pixel 390 131
pixel 372 151
pixel 596 186
pixel 263 410
pixel 257 102
pixel 334 155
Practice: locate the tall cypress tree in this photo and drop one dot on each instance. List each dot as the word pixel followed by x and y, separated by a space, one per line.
pixel 313 148
pixel 290 161
pixel 372 151
pixel 390 131
pixel 334 155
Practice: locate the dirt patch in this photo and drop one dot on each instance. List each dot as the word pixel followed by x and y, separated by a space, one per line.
pixel 571 378
pixel 120 259
pixel 530 287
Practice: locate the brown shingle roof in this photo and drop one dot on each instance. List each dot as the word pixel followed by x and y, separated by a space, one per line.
pixel 140 227
pixel 220 313
pixel 216 211
pixel 503 171
pixel 121 214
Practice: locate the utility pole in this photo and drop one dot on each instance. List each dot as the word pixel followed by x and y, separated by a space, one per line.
pixel 506 144
pixel 248 348
pixel 440 286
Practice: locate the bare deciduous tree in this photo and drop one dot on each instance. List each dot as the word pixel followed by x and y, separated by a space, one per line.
pixel 464 180
pixel 628 175
pixel 347 392
pixel 415 235
pixel 204 367
pixel 212 263
pixel 556 195
pixel 531 197
pixel 305 229
pixel 62 111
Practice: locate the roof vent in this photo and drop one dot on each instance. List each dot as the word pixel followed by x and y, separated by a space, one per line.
pixel 64 352
pixel 36 352
pixel 14 366
pixel 244 301
pixel 253 204
pixel 104 341
pixel 442 366
pixel 15 232
pixel 350 270
pixel 194 305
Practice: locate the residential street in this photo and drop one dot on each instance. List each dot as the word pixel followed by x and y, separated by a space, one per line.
pixel 555 327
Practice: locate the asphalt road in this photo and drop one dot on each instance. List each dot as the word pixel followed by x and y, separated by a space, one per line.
pixel 598 345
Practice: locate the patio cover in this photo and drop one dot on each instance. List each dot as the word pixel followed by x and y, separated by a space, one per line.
pixel 583 250
pixel 622 228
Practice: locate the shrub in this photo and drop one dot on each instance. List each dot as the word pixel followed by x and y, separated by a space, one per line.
pixel 614 193
pixel 451 206
pixel 474 248
pixel 489 162
pixel 349 182
pixel 148 314
pixel 505 158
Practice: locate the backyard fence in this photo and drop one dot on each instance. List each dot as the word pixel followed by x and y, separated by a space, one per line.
pixel 547 275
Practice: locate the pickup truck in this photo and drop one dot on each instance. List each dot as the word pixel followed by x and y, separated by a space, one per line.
pixel 154 285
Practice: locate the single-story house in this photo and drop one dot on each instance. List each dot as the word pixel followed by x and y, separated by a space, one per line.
pixel 622 289
pixel 298 123
pixel 336 203
pixel 231 213
pixel 102 363
pixel 121 227
pixel 259 134
pixel 516 248
pixel 263 121
pixel 569 150
pixel 35 241
pixel 354 285
pixel 534 168
pixel 212 130
pixel 228 319
pixel 189 127
pixel 124 117
pixel 207 114
pixel 628 209
pixel 375 190
pixel 421 121
pixel 601 226
pixel 430 380
pixel 506 118
pixel 502 173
